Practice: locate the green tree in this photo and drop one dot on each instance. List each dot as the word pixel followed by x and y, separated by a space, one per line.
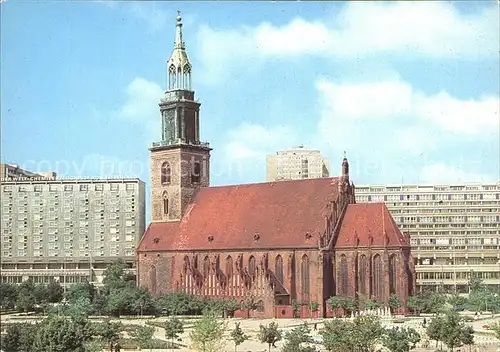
pixel 11 342
pixel 435 329
pixel 142 301
pixel 336 335
pixel 109 332
pixel 313 307
pixel 372 304
pixel 269 334
pixel 394 302
pixel 114 276
pixel 400 339
pixel 55 292
pixel 230 306
pixel 467 336
pixel 80 290
pixel 80 308
pixel 454 331
pixel 238 336
pixel 207 334
pixel 61 334
pixel 41 294
pixel 143 336
pixel 298 340
pixel 415 304
pixel 348 304
pixel 296 308
pixel 120 301
pixel 8 295
pixel 456 300
pixel 360 335
pixel 173 329
pixel 26 298
pixel 496 329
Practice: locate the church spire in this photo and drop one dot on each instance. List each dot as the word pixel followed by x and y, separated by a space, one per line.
pixel 178 66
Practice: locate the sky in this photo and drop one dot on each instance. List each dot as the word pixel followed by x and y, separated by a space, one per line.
pixel 409 90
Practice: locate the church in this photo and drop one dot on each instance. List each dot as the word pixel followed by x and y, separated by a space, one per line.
pixel 271 243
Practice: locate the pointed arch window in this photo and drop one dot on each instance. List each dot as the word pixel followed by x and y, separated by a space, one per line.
pixel 251 266
pixel 393 274
pixel 165 203
pixel 362 274
pixel 229 266
pixel 344 278
pixel 378 284
pixel 206 266
pixel 196 172
pixel 304 275
pixel 166 173
pixel 152 279
pixel 195 262
pixel 278 268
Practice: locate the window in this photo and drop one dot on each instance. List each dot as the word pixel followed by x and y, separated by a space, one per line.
pixel 279 268
pixel 392 274
pixel 165 203
pixel 229 267
pixel 251 266
pixel 166 173
pixel 196 172
pixel 206 266
pixel 344 278
pixel 304 275
pixel 377 278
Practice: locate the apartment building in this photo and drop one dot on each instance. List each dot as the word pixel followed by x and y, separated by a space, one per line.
pixel 454 229
pixel 296 163
pixel 70 229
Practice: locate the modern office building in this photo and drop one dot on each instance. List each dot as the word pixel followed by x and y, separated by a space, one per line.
pixel 70 229
pixel 454 229
pixel 297 163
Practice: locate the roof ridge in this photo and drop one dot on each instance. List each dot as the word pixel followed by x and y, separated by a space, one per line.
pixel 275 182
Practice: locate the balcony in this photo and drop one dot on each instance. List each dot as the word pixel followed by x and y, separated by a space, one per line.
pixel 179 142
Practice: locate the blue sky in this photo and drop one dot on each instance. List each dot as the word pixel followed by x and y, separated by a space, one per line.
pixel 410 90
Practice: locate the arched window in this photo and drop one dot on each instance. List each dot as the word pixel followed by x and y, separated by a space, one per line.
pixel 251 265
pixel 362 274
pixel 196 172
pixel 304 275
pixel 278 269
pixel 186 264
pixel 165 203
pixel 344 278
pixel 378 284
pixel 195 262
pixel 152 279
pixel 166 173
pixel 393 278
pixel 229 266
pixel 206 266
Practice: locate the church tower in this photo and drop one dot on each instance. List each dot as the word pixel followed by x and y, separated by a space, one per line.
pixel 180 162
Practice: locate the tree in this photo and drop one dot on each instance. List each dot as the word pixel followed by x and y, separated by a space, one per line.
pixel 142 301
pixel 371 304
pixel 336 335
pixel 120 301
pixel 114 276
pixel 313 307
pixel 298 340
pixel 80 290
pixel 400 339
pixel 109 332
pixel 456 300
pixel 26 299
pixel 360 335
pixel 467 336
pixel 41 294
pixel 435 329
pixel 238 336
pixel 8 295
pixel 207 334
pixel 55 292
pixel 454 331
pixel 61 334
pixel 394 302
pixel 143 335
pixel 269 334
pixel 11 342
pixel 348 304
pixel 80 308
pixel 173 328
pixel 296 308
pixel 496 329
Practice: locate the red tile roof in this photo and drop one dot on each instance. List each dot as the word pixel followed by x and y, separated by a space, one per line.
pixel 363 221
pixel 280 214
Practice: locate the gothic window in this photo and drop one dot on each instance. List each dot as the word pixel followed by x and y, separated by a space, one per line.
pixel 378 284
pixel 206 266
pixel 304 275
pixel 344 278
pixel 152 279
pixel 278 270
pixel 165 203
pixel 166 173
pixel 251 265
pixel 196 172
pixel 260 306
pixel 195 262
pixel 229 266
pixel 362 274
pixel 187 69
pixel 393 274
pixel 186 263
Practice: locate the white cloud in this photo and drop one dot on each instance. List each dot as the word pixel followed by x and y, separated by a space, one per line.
pixel 250 141
pixel 398 101
pixel 141 105
pixel 407 29
pixel 441 173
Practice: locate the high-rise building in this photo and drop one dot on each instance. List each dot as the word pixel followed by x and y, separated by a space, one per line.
pixel 68 230
pixel 454 229
pixel 297 163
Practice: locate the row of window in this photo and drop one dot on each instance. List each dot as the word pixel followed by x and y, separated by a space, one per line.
pixel 72 187
pixel 166 173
